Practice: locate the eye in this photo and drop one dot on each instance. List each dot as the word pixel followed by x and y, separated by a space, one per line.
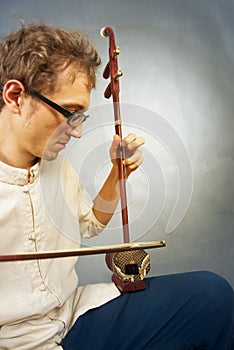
pixel 72 110
pixel 77 110
pixel 76 119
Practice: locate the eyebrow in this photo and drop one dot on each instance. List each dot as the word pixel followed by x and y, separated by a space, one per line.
pixel 75 106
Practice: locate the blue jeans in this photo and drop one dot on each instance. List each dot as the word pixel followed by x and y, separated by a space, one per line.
pixel 187 311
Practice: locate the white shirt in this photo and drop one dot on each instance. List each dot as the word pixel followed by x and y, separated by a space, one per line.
pixel 39 299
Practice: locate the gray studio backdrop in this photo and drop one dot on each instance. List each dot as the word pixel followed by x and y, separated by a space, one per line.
pixel 177 91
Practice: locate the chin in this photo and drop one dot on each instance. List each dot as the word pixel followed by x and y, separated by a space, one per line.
pixel 49 155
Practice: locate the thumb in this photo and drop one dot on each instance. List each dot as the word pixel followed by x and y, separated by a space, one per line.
pixel 114 147
pixel 116 141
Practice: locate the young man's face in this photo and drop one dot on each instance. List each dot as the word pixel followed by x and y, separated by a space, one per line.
pixel 46 130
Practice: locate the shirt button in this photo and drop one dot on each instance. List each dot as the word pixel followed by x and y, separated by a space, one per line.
pixel 42 288
pixel 26 189
pixel 32 236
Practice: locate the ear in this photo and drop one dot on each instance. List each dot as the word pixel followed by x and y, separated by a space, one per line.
pixel 12 95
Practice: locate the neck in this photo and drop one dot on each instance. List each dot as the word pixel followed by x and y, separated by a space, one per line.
pixel 10 152
pixel 12 159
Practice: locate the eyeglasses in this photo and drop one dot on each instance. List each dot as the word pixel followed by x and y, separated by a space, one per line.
pixel 73 119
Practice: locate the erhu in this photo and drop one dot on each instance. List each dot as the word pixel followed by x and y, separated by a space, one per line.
pixel 129 267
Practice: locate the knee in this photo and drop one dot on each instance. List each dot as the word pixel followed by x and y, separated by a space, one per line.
pixel 216 291
pixel 216 283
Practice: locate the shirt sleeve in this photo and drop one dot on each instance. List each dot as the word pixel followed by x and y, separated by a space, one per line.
pixel 80 202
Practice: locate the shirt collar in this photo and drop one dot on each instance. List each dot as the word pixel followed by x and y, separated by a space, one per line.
pixel 18 176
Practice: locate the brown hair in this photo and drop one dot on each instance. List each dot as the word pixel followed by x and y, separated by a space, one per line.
pixel 36 53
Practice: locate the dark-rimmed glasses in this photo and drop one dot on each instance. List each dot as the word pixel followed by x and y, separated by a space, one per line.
pixel 74 119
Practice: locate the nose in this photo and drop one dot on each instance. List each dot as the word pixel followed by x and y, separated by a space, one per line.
pixel 74 131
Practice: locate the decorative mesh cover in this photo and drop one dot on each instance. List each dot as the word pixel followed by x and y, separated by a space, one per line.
pixel 122 261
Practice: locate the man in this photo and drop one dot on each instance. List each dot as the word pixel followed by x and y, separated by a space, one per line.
pixel 47 74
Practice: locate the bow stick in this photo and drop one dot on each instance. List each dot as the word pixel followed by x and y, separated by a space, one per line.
pixel 82 251
pixel 113 72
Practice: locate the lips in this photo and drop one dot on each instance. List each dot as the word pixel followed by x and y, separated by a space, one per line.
pixel 61 144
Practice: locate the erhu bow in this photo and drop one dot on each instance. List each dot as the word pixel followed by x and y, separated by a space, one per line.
pixel 54 254
pixel 129 267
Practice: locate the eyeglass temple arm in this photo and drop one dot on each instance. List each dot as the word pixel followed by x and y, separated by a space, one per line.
pixel 54 105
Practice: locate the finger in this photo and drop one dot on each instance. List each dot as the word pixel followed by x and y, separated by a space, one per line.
pixel 133 166
pixel 129 138
pixel 135 158
pixel 133 143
